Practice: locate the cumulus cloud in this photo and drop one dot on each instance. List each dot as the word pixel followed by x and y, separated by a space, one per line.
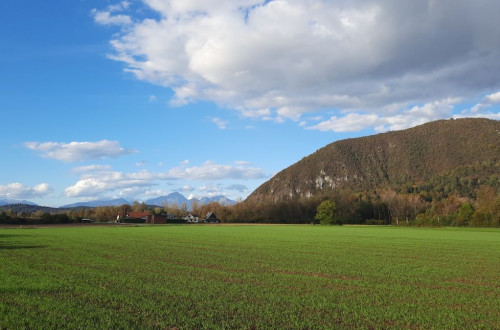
pixel 280 59
pixel 18 190
pixel 213 171
pixel 98 180
pixel 79 151
pixel 93 184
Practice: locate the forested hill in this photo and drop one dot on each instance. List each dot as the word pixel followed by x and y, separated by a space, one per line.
pixel 452 156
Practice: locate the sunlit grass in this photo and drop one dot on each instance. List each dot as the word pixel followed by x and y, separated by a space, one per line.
pixel 249 276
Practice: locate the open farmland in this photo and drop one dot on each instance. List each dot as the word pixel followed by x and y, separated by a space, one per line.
pixel 218 276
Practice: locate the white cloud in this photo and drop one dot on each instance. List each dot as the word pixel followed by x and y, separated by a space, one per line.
pixel 487 102
pixel 91 168
pixel 280 59
pixel 104 182
pixel 106 17
pixel 238 187
pixel 213 171
pixel 119 7
pixel 155 193
pixel 130 193
pixel 493 98
pixel 186 188
pixel 99 181
pixel 18 190
pixel 210 189
pixel 411 117
pixel 79 151
pixel 222 124
pixel 488 115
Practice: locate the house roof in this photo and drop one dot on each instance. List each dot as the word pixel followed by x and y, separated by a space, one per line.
pixel 134 214
pixel 210 215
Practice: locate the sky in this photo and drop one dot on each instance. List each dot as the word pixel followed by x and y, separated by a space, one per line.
pixel 137 99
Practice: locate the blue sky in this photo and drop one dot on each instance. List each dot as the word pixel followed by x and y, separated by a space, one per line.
pixel 140 98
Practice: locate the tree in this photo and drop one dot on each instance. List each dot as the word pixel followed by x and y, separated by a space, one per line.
pixel 326 213
pixel 465 214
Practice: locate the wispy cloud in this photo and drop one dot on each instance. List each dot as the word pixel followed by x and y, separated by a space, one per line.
pixel 141 163
pixel 210 190
pixel 91 168
pixel 412 117
pixel 18 190
pixel 79 151
pixel 487 102
pixel 238 187
pixel 106 17
pixel 186 189
pixel 222 124
pixel 213 171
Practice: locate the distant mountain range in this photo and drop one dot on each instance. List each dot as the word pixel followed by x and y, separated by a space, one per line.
pixel 178 199
pixel 112 202
pixel 8 201
pixel 174 198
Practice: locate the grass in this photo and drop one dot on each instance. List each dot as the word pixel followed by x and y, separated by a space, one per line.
pixel 217 276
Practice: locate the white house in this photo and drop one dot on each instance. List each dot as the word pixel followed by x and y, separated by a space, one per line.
pixel 191 218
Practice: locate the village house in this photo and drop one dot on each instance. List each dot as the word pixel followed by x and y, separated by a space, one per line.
pixel 191 218
pixel 211 218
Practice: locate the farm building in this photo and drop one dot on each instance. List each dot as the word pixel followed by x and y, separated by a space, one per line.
pixel 156 219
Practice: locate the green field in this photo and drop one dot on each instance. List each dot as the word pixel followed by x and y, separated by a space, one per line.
pixel 218 276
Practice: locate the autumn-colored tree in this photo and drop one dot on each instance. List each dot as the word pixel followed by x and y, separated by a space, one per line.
pixel 486 213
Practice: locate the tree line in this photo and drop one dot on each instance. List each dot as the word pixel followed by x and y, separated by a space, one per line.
pixel 407 207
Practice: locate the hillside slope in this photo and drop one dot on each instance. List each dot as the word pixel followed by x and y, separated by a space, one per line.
pixel 426 153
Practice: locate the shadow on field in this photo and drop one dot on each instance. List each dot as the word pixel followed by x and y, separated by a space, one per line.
pixel 10 245
pixel 15 247
pixel 3 236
